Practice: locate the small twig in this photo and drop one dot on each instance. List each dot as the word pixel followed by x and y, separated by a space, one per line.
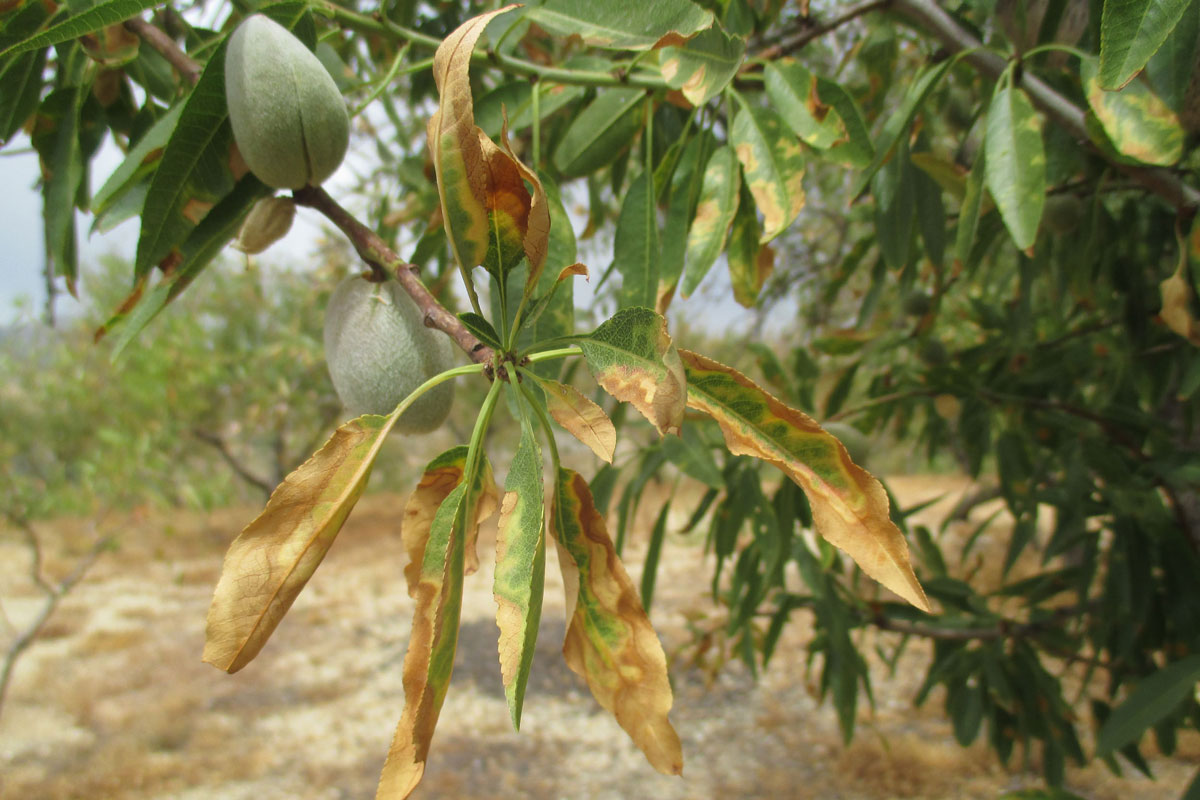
pixel 813 30
pixel 166 47
pixel 376 253
pixel 963 508
pixel 53 593
pixel 209 438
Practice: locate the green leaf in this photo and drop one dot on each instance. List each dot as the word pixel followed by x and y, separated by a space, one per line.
pixel 482 329
pixel 520 566
pixel 796 94
pixel 142 159
pixel 750 262
pixel 636 250
pixel 557 313
pixel 95 18
pixel 516 100
pixel 609 641
pixel 899 122
pixel 968 214
pixel 623 26
pixel 653 550
pixel 1154 697
pixel 686 185
pixel 713 216
pixel 849 506
pixel 1170 70
pixel 1016 163
pixel 857 150
pixel 894 190
pixel 702 68
pixel 270 562
pixel 195 171
pixel 57 142
pixel 20 90
pixel 633 358
pixel 1130 32
pixel 694 457
pixel 600 132
pixel 773 162
pixel 1136 121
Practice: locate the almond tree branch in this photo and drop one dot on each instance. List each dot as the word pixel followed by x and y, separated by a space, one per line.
pixel 376 253
pixel 237 466
pixel 370 247
pixel 930 17
pixel 811 29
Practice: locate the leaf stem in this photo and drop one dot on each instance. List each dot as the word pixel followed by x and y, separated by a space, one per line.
pixel 540 413
pixel 383 82
pixel 550 355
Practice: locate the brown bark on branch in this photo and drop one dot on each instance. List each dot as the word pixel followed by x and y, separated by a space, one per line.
pixel 166 47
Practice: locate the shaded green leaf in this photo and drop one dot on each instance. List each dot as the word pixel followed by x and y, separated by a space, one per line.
pixel 56 138
pixel 1154 697
pixel 482 329
pixel 968 214
pixel 20 88
pixel 653 551
pixel 702 68
pixel 1016 163
pixel 636 249
pixel 600 132
pixel 685 188
pixel 1130 32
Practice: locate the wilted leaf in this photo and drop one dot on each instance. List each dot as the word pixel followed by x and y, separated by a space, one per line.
pixel 703 67
pixel 774 164
pixel 507 205
pixel 750 262
pixel 714 214
pixel 610 641
pixel 632 356
pixel 849 507
pixel 458 158
pixel 520 568
pixel 1016 163
pixel 430 657
pixel 623 26
pixel 273 558
pixel 1136 121
pixel 440 477
pixel 796 94
pixel 1130 32
pixel 582 418
pixel 636 250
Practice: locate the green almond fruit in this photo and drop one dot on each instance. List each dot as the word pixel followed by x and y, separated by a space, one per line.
pixel 288 117
pixel 379 350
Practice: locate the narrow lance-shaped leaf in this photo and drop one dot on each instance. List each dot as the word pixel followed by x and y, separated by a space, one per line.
pixel 429 661
pixel 1136 121
pixel 636 250
pixel 623 26
pixel 520 566
pixel 197 169
pixel 600 132
pixel 552 313
pixel 610 642
pixel 702 68
pixel 1151 700
pixel 632 356
pixel 99 16
pixel 795 94
pixel 56 138
pixel 849 507
pixel 273 558
pixel 440 477
pixel 458 157
pixel 714 214
pixel 582 418
pixel 750 262
pixel 774 165
pixel 1130 32
pixel 971 209
pixel 684 193
pixel 140 161
pixel 20 90
pixel 1016 163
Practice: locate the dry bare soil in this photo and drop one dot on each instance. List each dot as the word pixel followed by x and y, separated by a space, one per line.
pixel 113 701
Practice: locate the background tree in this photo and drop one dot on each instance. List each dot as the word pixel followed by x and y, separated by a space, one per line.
pixel 979 213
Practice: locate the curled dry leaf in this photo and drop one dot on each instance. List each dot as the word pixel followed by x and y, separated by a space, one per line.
pixel 582 418
pixel 610 642
pixel 440 477
pixel 273 558
pixel 849 507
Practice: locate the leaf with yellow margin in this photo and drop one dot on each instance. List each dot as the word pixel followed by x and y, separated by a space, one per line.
pixel 272 559
pixel 849 507
pixel 610 642
pixel 458 159
pixel 430 657
pixel 773 161
pixel 582 418
pixel 520 567
pixel 632 356
pixel 1177 293
pixel 440 477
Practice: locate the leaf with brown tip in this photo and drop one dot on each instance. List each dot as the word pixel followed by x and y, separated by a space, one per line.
pixel 273 558
pixel 582 418
pixel 849 507
pixel 610 642
pixel 632 356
